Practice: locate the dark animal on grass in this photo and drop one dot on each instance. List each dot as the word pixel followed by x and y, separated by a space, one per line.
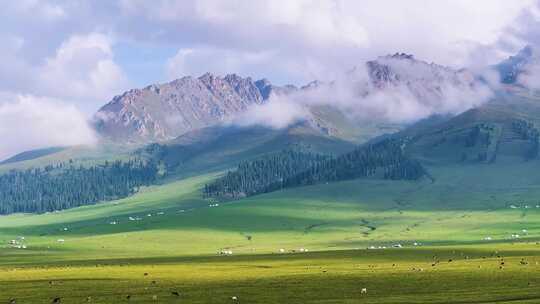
pixel 128 297
pixel 12 301
pixel 57 300
pixel 175 293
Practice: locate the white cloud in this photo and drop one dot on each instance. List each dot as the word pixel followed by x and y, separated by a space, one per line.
pixel 30 122
pixel 83 69
pixel 279 112
pixel 422 90
pixel 323 37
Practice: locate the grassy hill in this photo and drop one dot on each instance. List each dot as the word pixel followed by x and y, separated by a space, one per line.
pixel 178 244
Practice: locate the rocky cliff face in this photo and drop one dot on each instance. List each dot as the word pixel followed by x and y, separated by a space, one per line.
pixel 161 112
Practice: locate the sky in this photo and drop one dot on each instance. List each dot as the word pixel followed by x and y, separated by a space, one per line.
pixel 61 60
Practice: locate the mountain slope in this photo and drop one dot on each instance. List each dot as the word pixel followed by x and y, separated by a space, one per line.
pixel 163 112
pixel 500 131
pixel 32 154
pixel 223 147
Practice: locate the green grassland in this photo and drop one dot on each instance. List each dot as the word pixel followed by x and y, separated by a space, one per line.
pixel 178 245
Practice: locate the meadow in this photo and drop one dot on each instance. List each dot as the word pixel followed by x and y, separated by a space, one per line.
pixel 449 241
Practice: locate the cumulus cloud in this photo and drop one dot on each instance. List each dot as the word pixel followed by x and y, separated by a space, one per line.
pixel 305 40
pixel 82 68
pixel 30 122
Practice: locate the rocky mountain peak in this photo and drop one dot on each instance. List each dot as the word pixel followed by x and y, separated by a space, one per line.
pixel 164 111
pixel 404 69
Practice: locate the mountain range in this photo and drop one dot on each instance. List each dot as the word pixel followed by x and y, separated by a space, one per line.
pixel 187 127
pixel 162 112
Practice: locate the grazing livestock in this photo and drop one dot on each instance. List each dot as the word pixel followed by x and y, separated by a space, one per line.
pixel 175 293
pixel 57 300
pixel 364 290
pixel 128 297
pixel 234 298
pixel 12 301
pixel 225 252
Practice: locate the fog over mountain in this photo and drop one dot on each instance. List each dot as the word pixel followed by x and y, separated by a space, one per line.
pixel 394 88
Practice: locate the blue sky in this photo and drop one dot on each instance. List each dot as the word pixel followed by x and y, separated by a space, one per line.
pixel 144 63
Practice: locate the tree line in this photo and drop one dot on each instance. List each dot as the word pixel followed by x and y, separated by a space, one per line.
pixel 262 175
pixel 529 132
pixel 62 186
pixel 385 159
